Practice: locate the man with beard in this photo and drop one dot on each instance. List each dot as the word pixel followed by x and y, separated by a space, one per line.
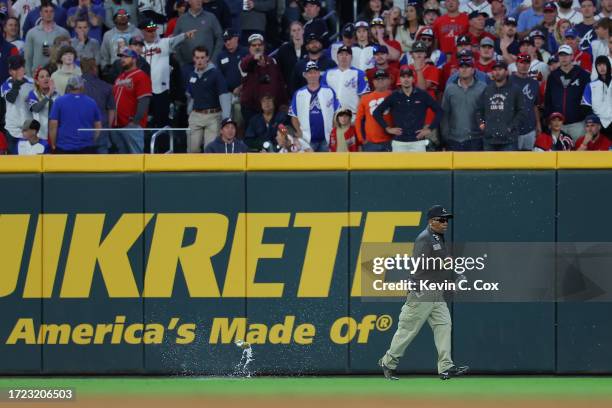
pixel 500 112
pixel 122 31
pixel 530 126
pixel 486 57
pixel 508 43
pixel 381 59
pixel 132 92
pixel 566 12
pixel 315 54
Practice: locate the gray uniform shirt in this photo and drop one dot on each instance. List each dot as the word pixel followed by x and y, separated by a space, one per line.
pixel 431 246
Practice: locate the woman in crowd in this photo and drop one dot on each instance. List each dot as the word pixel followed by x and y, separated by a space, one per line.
pixel 406 34
pixel 41 98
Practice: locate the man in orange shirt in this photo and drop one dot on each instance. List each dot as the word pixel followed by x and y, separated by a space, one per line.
pixel 370 134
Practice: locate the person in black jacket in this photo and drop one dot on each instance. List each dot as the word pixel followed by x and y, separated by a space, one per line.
pixel 564 89
pixel 226 142
pixel 292 51
pixel 262 127
pixel 500 111
pixel 315 54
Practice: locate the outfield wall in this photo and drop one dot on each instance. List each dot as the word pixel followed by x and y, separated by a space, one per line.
pixel 156 264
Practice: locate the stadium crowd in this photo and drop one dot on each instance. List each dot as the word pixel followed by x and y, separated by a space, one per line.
pixel 96 76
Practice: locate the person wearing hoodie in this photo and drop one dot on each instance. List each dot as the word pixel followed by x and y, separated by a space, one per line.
pixel 564 88
pixel 122 32
pixel 343 137
pixel 500 112
pixel 226 142
pixel 598 94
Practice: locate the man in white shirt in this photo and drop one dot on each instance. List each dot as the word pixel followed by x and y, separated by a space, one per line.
pixel 157 53
pixel 348 83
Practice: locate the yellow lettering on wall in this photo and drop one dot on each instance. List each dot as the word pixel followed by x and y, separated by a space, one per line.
pixel 82 334
pixel 239 283
pixel 380 227
pixel 45 254
pixel 13 231
pixel 24 331
pixel 322 249
pixel 54 334
pixel 221 330
pixel 110 254
pixel 167 251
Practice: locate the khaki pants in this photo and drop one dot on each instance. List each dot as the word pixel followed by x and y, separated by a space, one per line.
pixel 204 128
pixel 430 307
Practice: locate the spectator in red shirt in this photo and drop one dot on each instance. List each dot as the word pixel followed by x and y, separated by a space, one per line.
pixel 581 58
pixel 555 139
pixel 486 57
pixel 476 29
pixel 132 92
pixel 593 139
pixel 381 56
pixel 451 25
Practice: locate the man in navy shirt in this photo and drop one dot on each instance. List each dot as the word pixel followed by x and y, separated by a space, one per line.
pixel 408 106
pixel 71 112
pixel 209 99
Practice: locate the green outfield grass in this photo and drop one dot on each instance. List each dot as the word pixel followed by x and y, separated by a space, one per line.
pixel 409 387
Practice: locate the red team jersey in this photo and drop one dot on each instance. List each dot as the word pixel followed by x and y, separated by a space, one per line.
pixel 129 87
pixel 447 29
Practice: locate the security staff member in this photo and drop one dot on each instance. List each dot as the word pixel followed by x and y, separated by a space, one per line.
pixel 426 305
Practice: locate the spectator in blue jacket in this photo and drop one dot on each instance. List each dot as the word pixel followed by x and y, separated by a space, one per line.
pixel 564 90
pixel 262 127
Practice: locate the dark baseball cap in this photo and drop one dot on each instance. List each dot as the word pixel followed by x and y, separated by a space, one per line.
pixel 346 49
pixel 592 120
pixel 230 33
pixel 228 121
pixel 475 14
pixel 571 33
pixel 500 63
pixel 315 2
pixel 550 6
pixel 377 21
pixel 438 211
pixel 510 21
pixel 553 59
pixel 16 62
pixel 381 49
pixel 419 46
pixel 526 40
pixel 311 37
pixel 465 54
pixel 348 30
pixel 311 66
pixel 469 61
pixel 405 70
pixel 381 73
pixel 464 40
pixel 536 34
pixel 149 26
pixel 136 40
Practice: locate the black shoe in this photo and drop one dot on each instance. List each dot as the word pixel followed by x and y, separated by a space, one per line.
pixel 389 373
pixel 454 371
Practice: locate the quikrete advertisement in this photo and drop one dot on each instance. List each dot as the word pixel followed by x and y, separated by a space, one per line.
pixel 63 258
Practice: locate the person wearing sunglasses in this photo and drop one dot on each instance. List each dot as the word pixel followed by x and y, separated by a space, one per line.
pixel 427 305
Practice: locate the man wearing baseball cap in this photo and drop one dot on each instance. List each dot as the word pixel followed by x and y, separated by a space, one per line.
pixel 500 111
pixel 348 83
pixel 30 144
pixel 347 39
pixel 132 92
pixel 476 30
pixel 486 57
pixel 312 109
pixel 314 47
pixel 228 62
pixel 381 62
pixel 581 58
pixel 564 90
pixel 373 137
pixel 593 139
pixel 363 50
pixel 530 126
pixel 122 31
pixel 408 106
pixel 459 129
pixel 554 139
pixel 69 113
pixel 314 23
pixel 425 304
pixel 156 51
pixel 227 142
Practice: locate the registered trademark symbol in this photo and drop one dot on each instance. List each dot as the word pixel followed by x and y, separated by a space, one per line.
pixel 383 322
